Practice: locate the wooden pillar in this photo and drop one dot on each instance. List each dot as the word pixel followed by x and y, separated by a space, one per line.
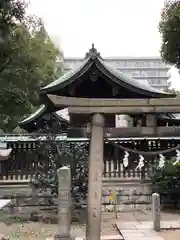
pixel 96 155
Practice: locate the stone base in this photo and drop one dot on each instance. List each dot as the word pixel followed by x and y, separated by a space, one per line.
pixel 125 208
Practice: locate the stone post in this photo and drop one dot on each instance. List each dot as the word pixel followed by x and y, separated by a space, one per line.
pixel 64 203
pixel 151 120
pixel 93 230
pixel 156 211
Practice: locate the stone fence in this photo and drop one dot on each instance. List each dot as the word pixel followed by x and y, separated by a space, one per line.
pixel 126 195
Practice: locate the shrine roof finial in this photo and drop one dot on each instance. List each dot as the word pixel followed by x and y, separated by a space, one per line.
pixel 93 53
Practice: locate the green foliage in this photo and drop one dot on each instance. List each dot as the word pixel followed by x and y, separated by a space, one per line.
pixel 73 155
pixel 167 182
pixel 76 154
pixel 129 121
pixel 174 91
pixel 53 155
pixel 27 62
pixel 169 28
pixel 11 12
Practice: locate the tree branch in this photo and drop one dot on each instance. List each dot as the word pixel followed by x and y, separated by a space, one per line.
pixel 3 66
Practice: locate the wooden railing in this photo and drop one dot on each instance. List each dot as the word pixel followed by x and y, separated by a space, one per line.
pixel 117 170
pixel 24 160
pixel 22 163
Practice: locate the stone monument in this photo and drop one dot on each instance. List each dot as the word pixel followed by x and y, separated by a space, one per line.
pixel 64 203
pixel 156 211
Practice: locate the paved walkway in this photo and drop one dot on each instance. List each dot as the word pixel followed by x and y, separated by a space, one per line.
pixel 143 230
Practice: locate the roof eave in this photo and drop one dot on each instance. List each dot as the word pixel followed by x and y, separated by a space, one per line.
pixel 25 124
pixel 33 116
pixel 82 69
pixel 61 119
pixel 117 80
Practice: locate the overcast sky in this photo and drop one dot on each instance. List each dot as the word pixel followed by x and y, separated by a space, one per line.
pixel 116 27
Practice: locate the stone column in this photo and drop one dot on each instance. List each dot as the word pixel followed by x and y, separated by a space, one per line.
pixel 156 211
pixel 93 230
pixel 64 203
pixel 151 120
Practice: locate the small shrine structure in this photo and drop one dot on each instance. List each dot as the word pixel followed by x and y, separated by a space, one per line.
pixel 41 118
pixel 97 79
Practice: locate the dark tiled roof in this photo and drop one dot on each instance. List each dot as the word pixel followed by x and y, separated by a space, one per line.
pixel 129 80
pixel 42 110
pixel 34 115
pixel 115 75
pixel 67 76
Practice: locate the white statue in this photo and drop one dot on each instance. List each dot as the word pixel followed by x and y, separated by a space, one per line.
pixel 141 162
pixel 177 157
pixel 125 159
pixel 161 161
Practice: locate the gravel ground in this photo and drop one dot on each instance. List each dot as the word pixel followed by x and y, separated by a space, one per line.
pixel 38 231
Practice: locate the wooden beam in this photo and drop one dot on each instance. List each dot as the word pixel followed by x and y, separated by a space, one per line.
pixel 128 132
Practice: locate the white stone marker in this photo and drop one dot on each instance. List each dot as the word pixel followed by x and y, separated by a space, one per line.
pixel 156 211
pixel 64 203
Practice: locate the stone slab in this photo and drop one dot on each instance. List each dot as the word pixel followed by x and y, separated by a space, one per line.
pixel 106 237
pixel 132 233
pixel 150 233
pixel 145 225
pixel 164 225
pixel 170 224
pixel 140 234
pixel 129 225
pixel 144 238
pixel 143 230
pixel 112 237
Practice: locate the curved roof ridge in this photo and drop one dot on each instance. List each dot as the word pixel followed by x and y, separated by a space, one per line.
pixel 66 76
pixel 93 57
pixel 131 81
pixel 37 113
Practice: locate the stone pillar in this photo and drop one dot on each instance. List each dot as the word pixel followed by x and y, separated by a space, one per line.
pixel 93 230
pixel 151 120
pixel 156 211
pixel 64 203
